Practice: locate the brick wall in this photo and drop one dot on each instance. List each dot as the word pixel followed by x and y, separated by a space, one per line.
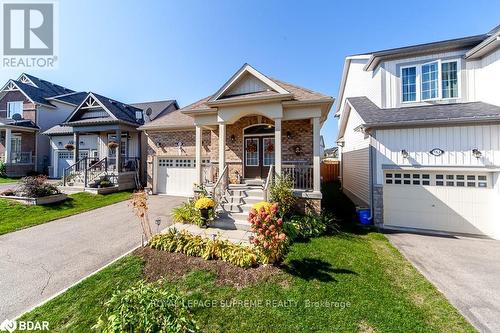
pixel 29 109
pixel 301 135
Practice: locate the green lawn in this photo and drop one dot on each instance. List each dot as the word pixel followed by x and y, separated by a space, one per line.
pixel 4 180
pixel 375 288
pixel 15 216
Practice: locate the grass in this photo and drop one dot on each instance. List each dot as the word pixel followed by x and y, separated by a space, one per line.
pixel 351 282
pixel 5 180
pixel 370 287
pixel 15 216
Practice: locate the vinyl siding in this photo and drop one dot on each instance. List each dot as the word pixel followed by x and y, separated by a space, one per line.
pixel 484 77
pixel 355 159
pixel 457 143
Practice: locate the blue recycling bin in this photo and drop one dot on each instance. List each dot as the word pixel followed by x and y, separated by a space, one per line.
pixel 364 216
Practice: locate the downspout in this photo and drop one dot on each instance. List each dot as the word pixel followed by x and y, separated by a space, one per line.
pixel 371 161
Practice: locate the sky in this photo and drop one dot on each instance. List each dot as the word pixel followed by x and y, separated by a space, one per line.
pixel 135 51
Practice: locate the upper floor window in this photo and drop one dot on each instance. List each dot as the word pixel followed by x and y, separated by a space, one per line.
pixel 429 81
pixel 449 79
pixel 138 115
pixel 13 108
pixel 409 79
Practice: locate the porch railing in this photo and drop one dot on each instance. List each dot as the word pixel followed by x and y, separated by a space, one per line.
pixel 96 170
pixel 269 183
pixel 220 186
pixel 76 172
pixel 301 175
pixel 24 157
pixel 207 173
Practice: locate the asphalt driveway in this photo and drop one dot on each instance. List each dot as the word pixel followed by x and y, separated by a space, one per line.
pixel 40 261
pixel 465 270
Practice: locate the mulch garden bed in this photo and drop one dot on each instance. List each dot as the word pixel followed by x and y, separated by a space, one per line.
pixel 162 264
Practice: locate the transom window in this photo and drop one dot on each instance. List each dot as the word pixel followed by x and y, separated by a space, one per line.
pixel 433 80
pixel 436 179
pixel 14 108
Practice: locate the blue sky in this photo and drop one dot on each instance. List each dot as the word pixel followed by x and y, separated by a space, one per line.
pixel 151 50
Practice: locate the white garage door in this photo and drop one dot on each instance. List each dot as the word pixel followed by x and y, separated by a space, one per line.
pixel 455 202
pixel 176 176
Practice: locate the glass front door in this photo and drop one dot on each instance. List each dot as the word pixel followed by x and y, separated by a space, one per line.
pixel 258 156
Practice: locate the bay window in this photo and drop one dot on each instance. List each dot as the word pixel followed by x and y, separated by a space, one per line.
pixel 430 81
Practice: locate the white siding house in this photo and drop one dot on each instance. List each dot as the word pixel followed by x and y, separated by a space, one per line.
pixel 420 135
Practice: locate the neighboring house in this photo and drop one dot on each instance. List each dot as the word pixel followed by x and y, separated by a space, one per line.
pixel 85 145
pixel 251 123
pixel 331 153
pixel 419 133
pixel 29 105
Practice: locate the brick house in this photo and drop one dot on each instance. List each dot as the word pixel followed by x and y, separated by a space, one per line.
pixel 251 125
pixel 29 105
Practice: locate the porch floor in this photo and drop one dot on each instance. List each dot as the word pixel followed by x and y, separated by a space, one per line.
pixel 235 236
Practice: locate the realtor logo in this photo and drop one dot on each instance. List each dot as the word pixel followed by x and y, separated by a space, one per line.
pixel 8 325
pixel 29 33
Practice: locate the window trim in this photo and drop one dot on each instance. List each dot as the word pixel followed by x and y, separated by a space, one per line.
pixel 418 80
pixel 9 116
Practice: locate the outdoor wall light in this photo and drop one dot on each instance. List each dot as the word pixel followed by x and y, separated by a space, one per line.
pixel 59 143
pixel 404 153
pixel 233 138
pixel 476 153
pixel 288 135
pixel 159 144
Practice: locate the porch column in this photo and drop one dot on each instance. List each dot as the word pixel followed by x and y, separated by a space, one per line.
pixel 8 145
pixel 198 154
pixel 76 141
pixel 118 151
pixel 316 157
pixel 222 147
pixel 277 145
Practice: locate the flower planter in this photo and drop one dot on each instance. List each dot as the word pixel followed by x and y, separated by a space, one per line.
pixel 50 199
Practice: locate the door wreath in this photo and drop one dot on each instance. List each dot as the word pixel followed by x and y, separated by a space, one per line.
pixel 269 147
pixel 251 147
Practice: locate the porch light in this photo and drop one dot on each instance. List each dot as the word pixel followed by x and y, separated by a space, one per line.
pixel 404 153
pixel 476 153
pixel 233 138
pixel 288 135
pixel 59 143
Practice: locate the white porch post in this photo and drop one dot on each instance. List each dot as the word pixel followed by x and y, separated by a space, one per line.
pixel 8 145
pixel 316 157
pixel 277 145
pixel 76 141
pixel 198 155
pixel 118 150
pixel 222 147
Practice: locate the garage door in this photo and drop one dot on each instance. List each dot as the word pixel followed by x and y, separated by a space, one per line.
pixel 65 159
pixel 176 176
pixel 455 202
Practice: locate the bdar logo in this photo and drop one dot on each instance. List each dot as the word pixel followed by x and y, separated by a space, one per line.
pixel 8 326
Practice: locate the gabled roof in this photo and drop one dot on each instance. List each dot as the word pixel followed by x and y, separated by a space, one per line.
pixel 74 98
pixel 374 117
pixel 157 108
pixel 117 111
pixel 37 90
pixel 171 120
pixel 267 85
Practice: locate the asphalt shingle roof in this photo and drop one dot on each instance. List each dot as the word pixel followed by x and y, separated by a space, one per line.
pixel 157 108
pixel 20 123
pixel 75 98
pixel 373 116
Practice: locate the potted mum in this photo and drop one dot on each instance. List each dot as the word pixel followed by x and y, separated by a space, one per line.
pixel 205 205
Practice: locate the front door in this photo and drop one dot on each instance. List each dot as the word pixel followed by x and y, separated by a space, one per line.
pixel 259 156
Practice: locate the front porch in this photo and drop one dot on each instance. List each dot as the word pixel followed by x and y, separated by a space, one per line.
pixel 17 150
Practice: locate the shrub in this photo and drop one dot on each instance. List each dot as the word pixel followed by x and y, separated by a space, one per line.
pixel 208 249
pixel 281 192
pixel 146 308
pixel 269 237
pixel 3 169
pixel 36 187
pixel 187 213
pixel 204 203
pixel 310 225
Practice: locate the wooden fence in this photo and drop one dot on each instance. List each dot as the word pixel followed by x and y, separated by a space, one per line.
pixel 330 171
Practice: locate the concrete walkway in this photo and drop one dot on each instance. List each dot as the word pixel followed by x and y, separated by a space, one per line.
pixel 465 270
pixel 40 261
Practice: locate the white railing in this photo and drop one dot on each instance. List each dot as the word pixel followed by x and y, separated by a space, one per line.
pixel 269 182
pixel 207 173
pixel 23 157
pixel 220 186
pixel 301 174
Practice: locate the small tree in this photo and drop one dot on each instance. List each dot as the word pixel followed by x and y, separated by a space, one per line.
pixel 140 206
pixel 281 192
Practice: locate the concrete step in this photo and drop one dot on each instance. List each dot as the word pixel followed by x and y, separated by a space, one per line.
pixel 255 182
pixel 243 199
pixel 229 223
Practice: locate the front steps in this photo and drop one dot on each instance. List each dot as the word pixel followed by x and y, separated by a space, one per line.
pixel 236 204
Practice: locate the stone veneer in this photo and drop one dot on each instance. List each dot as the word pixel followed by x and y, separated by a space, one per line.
pixel 378 205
